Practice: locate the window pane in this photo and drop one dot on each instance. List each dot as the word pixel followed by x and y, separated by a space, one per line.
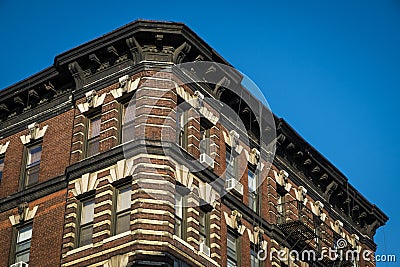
pixel 179 205
pixel 182 128
pixel 1 168
pixel 23 246
pixel 124 199
pixel 93 146
pixel 230 166
pixel 23 256
pixel 255 262
pixel 24 234
pixel 94 127
pixel 128 132
pixel 252 181
pixel 123 222
pixel 34 155
pixel 86 235
pixel 128 122
pixel 128 113
pixel 204 140
pixel 232 249
pixel 178 227
pixel 87 212
pixel 32 175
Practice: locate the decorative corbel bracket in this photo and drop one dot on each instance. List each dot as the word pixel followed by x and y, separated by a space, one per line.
pixel 220 86
pixel 181 52
pixel 77 74
pixel 85 184
pixel 92 101
pixel 234 221
pixel 337 226
pixel 301 194
pixel 135 49
pixel 117 261
pixel 24 214
pixel 34 133
pixel 208 194
pixel 183 176
pixel 125 86
pixel 3 148
pixel 198 100
pixel 234 140
pixel 122 169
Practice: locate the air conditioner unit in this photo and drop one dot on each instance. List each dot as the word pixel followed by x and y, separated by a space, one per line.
pixel 206 160
pixel 19 264
pixel 234 185
pixel 205 249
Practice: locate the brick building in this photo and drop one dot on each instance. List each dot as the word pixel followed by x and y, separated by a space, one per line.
pixel 82 185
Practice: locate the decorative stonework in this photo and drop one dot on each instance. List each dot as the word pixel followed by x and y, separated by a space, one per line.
pixel 196 101
pixel 24 214
pixel 126 85
pixel 34 133
pixel 85 184
pixel 256 237
pixel 183 176
pixel 301 194
pixel 281 178
pixel 337 226
pixel 92 101
pixel 317 209
pixel 235 221
pixel 122 169
pixel 208 194
pixel 232 140
pixel 3 148
pixel 117 261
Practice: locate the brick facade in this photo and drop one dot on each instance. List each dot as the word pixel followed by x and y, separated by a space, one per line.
pixel 152 165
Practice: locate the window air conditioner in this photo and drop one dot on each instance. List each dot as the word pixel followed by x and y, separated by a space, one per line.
pixel 206 160
pixel 234 185
pixel 205 249
pixel 19 264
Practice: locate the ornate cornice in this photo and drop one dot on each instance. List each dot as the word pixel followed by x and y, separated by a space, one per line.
pixel 328 182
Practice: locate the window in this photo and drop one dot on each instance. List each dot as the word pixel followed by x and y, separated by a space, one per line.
pixel 180 215
pixel 86 222
pixel 180 263
pixel 127 128
pixel 1 168
pixel 204 227
pixel 122 210
pixel 182 125
pixel 254 261
pixel 232 250
pixel 230 165
pixel 32 165
pixel 253 190
pixel 23 244
pixel 281 208
pixel 93 136
pixel 204 138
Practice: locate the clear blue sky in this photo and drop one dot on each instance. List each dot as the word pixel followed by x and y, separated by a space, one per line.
pixel 330 68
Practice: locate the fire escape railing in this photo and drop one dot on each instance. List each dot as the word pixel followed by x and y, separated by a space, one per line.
pixel 306 231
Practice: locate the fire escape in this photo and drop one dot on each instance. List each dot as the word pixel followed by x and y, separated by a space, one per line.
pixel 303 230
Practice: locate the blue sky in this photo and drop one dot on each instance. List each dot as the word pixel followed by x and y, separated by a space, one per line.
pixel 330 68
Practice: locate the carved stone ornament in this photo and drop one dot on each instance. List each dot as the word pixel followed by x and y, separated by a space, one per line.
pixel 92 101
pixel 126 85
pixel 34 133
pixel 24 214
pixel 3 148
